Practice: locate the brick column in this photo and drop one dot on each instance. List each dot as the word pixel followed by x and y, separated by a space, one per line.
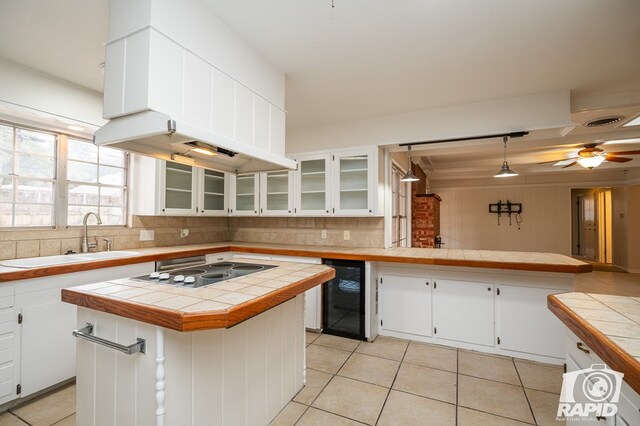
pixel 425 212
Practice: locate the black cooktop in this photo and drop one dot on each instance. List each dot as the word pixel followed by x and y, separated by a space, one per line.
pixel 199 276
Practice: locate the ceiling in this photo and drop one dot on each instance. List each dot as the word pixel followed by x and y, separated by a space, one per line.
pixel 368 58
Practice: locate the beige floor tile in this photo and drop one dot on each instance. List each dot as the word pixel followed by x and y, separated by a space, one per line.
pixel 289 414
pixel 371 369
pixel 490 367
pixel 493 397
pixel 315 417
pixel 8 419
pixel 432 356
pixel 428 382
pixel 69 421
pixel 544 406
pixel 328 360
pixel 316 381
pixel 337 342
pixel 539 376
pixel 384 347
pixel 352 399
pixel 405 409
pixel 310 337
pixel 468 417
pixel 49 409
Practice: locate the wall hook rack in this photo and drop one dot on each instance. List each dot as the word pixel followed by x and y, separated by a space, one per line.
pixel 508 208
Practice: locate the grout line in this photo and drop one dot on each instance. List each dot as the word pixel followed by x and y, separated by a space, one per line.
pixel 525 393
pixel 20 418
pixel 496 415
pixel 63 419
pixel 457 384
pixel 404 354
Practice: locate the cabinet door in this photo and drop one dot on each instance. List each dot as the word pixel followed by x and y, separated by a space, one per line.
pixel 47 341
pixel 214 193
pixel 354 183
pixel 8 361
pixel 463 311
pixel 313 185
pixel 276 195
pixel 524 323
pixel 244 193
pixel 178 189
pixel 406 305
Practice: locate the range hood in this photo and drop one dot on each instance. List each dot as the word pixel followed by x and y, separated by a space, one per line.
pixel 180 85
pixel 157 135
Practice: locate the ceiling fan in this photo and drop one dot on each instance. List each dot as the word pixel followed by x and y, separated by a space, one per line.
pixel 590 156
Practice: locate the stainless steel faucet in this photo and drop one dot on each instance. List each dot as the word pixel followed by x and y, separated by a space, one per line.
pixel 85 242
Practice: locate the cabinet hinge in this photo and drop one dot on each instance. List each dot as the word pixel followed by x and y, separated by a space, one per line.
pixel 498 292
pixel 381 323
pixel 565 367
pixel 435 284
pixel 295 210
pixel 19 322
pixel 333 158
pixel 498 340
pixel 380 280
pixel 18 389
pixel 435 330
pixel 334 210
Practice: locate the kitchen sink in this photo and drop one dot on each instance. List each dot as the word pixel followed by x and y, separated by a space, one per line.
pixel 39 262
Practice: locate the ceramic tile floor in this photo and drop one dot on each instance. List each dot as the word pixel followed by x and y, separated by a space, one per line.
pixel 57 408
pixel 399 382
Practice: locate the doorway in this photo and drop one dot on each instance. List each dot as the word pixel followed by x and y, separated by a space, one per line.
pixel 591 228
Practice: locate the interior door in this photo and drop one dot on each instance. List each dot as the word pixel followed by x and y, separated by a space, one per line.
pixel 590 226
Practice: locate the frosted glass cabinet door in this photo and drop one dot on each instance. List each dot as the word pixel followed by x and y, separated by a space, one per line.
pixel 276 193
pixel 353 183
pixel 245 193
pixel 179 184
pixel 214 200
pixel 313 187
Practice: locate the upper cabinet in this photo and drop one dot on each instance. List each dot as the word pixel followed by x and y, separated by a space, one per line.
pixel 214 194
pixel 340 183
pixel 245 195
pixel 276 193
pixel 178 184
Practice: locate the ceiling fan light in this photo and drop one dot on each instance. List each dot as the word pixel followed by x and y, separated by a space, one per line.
pixel 505 171
pixel 591 162
pixel 409 177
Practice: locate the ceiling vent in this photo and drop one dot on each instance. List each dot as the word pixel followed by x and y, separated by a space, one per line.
pixel 603 121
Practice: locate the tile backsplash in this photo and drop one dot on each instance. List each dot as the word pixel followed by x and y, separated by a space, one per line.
pixel 364 232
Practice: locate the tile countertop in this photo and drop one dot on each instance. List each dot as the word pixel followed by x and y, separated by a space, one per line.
pixel 524 261
pixel 215 306
pixel 609 325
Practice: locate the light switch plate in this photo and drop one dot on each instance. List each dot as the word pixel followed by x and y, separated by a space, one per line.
pixel 147 235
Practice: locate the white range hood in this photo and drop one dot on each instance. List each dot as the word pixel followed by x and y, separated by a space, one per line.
pixel 177 78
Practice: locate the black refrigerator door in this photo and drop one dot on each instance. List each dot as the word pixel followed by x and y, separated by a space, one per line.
pixel 343 300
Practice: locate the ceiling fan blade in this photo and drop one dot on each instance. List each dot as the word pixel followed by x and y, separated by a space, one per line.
pixel 557 161
pixel 570 164
pixel 624 153
pixel 616 159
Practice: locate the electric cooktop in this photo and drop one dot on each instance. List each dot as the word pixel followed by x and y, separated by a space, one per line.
pixel 198 276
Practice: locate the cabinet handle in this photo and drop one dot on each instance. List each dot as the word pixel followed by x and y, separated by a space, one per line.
pixel 489 288
pixel 581 347
pixel 427 283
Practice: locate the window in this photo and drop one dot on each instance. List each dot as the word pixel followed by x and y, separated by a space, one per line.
pixel 27 177
pixel 96 182
pixel 36 166
pixel 398 208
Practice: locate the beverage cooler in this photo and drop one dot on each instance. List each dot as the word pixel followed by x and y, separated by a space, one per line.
pixel 343 300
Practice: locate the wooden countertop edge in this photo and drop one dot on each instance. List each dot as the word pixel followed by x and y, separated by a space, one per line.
pixel 614 356
pixel 98 264
pixel 192 321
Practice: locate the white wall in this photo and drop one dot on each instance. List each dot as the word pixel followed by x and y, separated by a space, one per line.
pixel 619 221
pixel 465 221
pixel 33 90
pixel 633 227
pixel 541 111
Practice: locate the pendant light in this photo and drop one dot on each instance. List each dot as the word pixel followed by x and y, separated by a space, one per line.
pixel 505 171
pixel 409 176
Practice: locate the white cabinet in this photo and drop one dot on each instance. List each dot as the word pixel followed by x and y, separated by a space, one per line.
pixel 406 305
pixel 313 185
pixel 276 193
pixel 354 182
pixel 174 189
pixel 525 324
pixel 339 183
pixel 9 341
pixel 463 311
pixel 245 195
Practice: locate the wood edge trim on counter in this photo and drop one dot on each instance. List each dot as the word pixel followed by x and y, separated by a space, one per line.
pixel 192 321
pixel 98 264
pixel 614 356
pixel 154 315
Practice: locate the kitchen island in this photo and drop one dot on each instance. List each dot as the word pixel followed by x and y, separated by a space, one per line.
pixel 231 353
